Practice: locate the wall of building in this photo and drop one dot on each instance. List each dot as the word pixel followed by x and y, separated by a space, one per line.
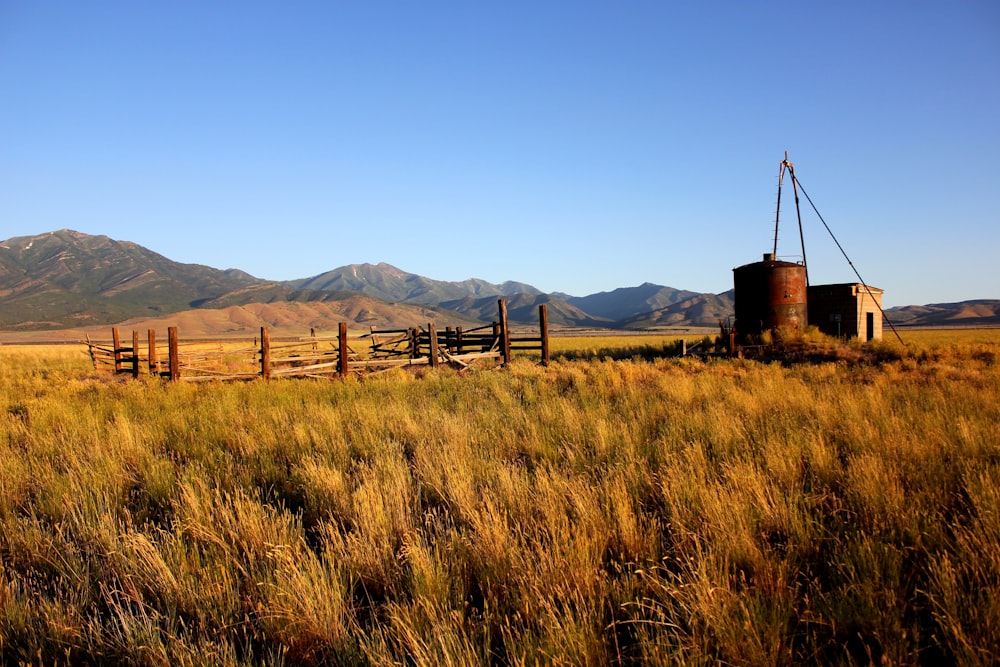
pixel 843 310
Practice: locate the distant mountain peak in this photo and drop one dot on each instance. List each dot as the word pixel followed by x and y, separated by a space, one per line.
pixel 68 279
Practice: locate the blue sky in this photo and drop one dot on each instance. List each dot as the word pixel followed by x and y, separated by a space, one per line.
pixel 577 146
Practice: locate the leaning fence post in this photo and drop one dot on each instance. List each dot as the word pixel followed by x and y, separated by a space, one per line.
pixel 543 327
pixel 117 345
pixel 265 353
pixel 93 356
pixel 504 331
pixel 174 355
pixel 432 334
pixel 342 350
pixel 135 353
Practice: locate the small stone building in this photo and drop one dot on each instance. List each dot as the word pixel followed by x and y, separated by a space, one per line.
pixel 846 310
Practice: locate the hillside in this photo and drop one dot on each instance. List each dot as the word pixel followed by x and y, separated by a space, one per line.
pixel 980 312
pixel 285 318
pixel 625 303
pixel 65 278
pixel 698 310
pixel 524 308
pixel 69 280
pixel 388 283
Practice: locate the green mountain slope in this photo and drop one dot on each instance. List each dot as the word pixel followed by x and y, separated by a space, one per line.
pixel 698 310
pixel 523 309
pixel 394 285
pixel 627 302
pixel 66 278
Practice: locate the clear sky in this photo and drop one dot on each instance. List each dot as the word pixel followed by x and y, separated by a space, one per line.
pixel 577 146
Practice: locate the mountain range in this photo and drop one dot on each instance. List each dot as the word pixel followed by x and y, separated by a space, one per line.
pixel 70 280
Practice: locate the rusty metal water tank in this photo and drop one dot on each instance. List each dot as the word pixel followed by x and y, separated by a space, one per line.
pixel 770 294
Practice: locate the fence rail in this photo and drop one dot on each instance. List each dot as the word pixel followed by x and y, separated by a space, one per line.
pixel 317 356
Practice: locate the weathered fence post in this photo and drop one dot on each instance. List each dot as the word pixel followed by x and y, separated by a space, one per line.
pixel 154 360
pixel 135 353
pixel 414 343
pixel 684 348
pixel 342 349
pixel 458 340
pixel 543 328
pixel 117 345
pixel 174 360
pixel 504 331
pixel 449 338
pixel 93 356
pixel 265 353
pixel 432 334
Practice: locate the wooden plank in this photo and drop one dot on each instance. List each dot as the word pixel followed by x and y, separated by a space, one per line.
pixel 301 370
pixel 377 363
pixel 453 359
pixel 303 357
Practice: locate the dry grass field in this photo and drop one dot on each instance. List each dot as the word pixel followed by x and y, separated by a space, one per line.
pixel 613 508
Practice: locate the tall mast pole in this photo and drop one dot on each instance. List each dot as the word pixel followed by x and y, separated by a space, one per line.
pixel 777 214
pixel 798 214
pixel 786 164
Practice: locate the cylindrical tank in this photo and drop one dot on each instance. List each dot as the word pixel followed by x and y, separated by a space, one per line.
pixel 768 295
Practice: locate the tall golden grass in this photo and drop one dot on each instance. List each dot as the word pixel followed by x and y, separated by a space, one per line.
pixel 600 511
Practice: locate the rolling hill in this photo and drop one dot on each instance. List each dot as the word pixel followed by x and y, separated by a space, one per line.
pixel 388 283
pixel 979 312
pixel 625 303
pixel 69 280
pixel 297 318
pixel 698 310
pixel 524 308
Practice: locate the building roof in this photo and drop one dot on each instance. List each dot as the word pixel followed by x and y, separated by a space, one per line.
pixel 840 286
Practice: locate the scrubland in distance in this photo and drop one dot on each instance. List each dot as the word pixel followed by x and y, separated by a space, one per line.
pixel 594 512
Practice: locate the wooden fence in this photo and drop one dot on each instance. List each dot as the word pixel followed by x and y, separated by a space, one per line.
pixel 318 356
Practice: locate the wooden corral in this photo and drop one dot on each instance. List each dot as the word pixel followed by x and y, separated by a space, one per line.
pixel 318 356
